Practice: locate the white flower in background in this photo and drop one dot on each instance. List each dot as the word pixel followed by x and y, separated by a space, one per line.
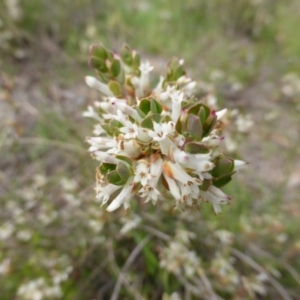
pixel 24 235
pixel 6 230
pixel 244 123
pixel 38 289
pixel 5 266
pixel 14 9
pixel 155 144
pixel 130 223
pixel 226 237
pixel 179 260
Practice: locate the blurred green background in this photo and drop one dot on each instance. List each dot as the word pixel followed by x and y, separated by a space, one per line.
pixel 56 243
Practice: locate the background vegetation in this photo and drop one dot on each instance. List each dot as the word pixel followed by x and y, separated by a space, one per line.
pixel 55 241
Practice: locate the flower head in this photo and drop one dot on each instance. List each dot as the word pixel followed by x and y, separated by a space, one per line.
pixel 154 144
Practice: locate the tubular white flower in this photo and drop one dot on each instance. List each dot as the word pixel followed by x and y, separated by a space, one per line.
pixel 189 88
pixel 159 88
pixel 150 192
pixel 98 130
pixel 178 155
pixel 239 164
pixel 130 130
pixel 145 69
pixel 123 198
pixel 216 197
pixel 107 107
pixel 98 85
pixel 120 117
pixel 104 156
pixel 143 135
pixel 160 131
pixel 90 113
pixel 220 114
pixel 188 193
pixel 177 98
pixel 103 194
pixel 127 110
pixel 130 148
pixel 142 173
pixel 156 168
pixel 98 143
pixel 160 134
pixel 167 94
pixel 173 187
pixel 212 140
pixel 175 171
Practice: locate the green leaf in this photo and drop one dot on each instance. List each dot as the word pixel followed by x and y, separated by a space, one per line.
pixel 140 112
pixel 126 55
pixel 107 128
pixel 136 60
pixel 123 171
pixel 203 113
pixel 114 177
pixel 115 87
pixel 148 121
pixel 114 126
pixel 155 106
pixel 206 184
pixel 98 51
pixel 194 148
pixel 115 68
pixel 98 64
pixel 194 127
pixel 224 165
pixel 106 167
pixel 145 106
pixel 209 124
pixel 178 126
pixel 104 77
pixel 179 72
pixel 125 159
pixel 220 182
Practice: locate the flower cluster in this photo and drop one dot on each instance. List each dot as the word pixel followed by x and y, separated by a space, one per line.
pixel 154 140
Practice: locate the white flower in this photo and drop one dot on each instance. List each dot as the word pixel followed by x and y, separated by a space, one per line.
pixel 130 130
pixel 216 197
pixel 160 134
pixel 4 266
pixel 141 83
pixel 101 143
pixel 104 156
pixel 161 131
pixel 167 94
pixel 96 84
pixel 220 114
pixel 90 113
pixel 6 230
pixel 149 192
pixel 125 108
pixel 244 123
pixel 175 171
pixel 123 197
pixel 177 98
pixel 103 194
pixel 130 223
pixel 130 148
pixel 24 235
pixel 142 174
